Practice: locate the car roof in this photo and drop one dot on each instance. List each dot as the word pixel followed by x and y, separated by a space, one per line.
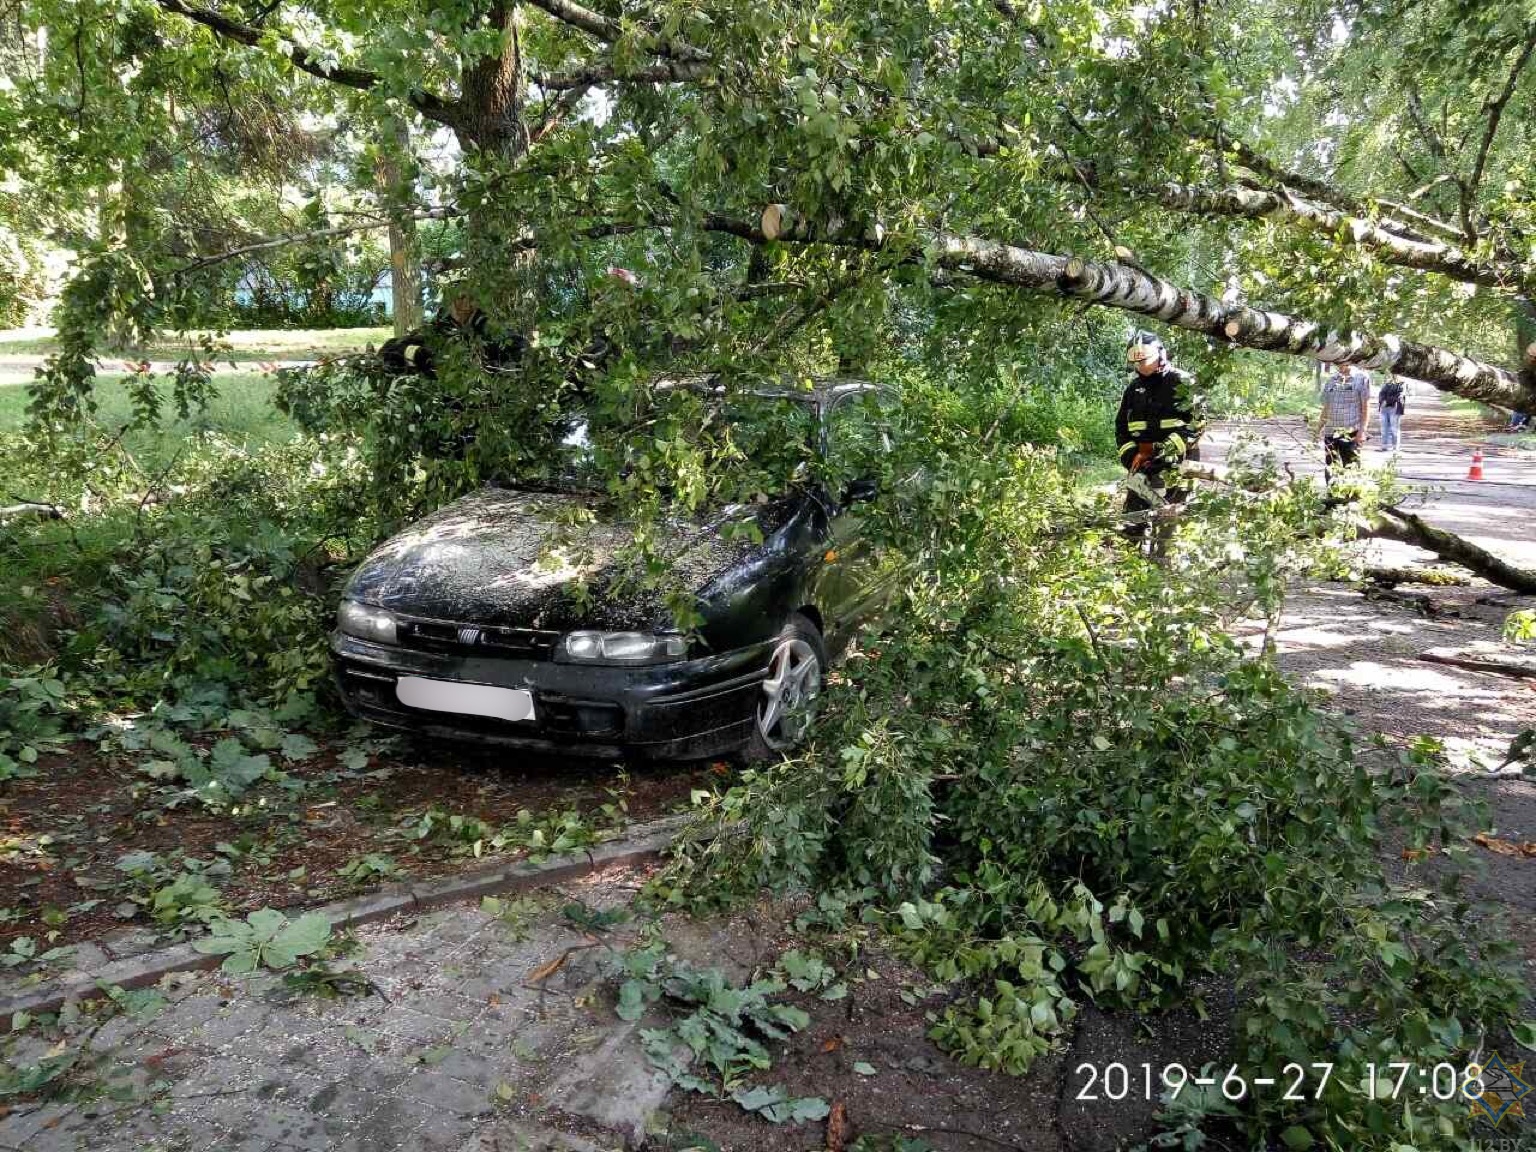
pixel 824 392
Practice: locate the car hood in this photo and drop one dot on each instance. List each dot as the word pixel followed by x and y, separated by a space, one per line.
pixel 514 557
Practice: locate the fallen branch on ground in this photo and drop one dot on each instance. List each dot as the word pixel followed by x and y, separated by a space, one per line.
pixel 1406 528
pixel 1477 659
pixel 1441 577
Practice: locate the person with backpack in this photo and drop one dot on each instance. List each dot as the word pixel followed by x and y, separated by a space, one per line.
pixel 1389 401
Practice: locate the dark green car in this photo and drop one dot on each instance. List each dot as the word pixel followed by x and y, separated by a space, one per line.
pixel 465 626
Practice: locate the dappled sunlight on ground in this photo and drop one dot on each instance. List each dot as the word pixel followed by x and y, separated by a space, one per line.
pixel 1365 654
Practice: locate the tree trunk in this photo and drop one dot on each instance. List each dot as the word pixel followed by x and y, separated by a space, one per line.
pixel 492 132
pixel 31 508
pixel 1405 527
pixel 1123 286
pixel 404 253
pixel 1425 255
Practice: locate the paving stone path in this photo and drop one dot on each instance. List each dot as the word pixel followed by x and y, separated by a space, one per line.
pixel 457 1050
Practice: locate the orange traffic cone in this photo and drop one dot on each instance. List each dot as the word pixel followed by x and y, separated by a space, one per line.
pixel 1476 471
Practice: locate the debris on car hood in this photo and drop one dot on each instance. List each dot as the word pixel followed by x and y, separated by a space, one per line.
pixel 517 557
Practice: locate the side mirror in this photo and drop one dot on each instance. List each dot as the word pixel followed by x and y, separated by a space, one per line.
pixel 861 491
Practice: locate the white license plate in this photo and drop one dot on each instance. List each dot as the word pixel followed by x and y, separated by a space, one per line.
pixel 465 699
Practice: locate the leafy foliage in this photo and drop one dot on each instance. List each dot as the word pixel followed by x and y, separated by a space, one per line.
pixel 1124 800
pixel 541 834
pixel 179 894
pixel 719 1030
pixel 31 708
pixel 265 938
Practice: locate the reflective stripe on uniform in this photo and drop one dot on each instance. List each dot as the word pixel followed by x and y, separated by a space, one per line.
pixel 410 353
pixel 1176 422
pixel 1136 425
pixel 1127 446
pixel 1178 442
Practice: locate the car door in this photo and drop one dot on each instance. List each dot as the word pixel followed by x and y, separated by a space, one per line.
pixel 857 427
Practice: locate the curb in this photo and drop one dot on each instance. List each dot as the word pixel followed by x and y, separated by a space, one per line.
pixel 645 843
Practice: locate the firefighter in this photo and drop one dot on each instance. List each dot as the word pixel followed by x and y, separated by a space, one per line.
pixel 460 318
pixel 1156 428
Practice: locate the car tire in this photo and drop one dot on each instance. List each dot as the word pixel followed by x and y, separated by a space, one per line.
pixel 797 669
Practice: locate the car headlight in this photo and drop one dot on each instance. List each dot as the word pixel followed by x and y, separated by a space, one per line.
pixel 366 623
pixel 623 647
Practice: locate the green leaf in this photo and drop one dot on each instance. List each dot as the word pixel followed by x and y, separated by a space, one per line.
pixel 777 1106
pixel 1524 1034
pixel 265 924
pixel 800 1110
pixel 791 1017
pixel 865 1069
pixel 305 935
pixel 297 746
pixel 276 955
pixel 219 945
pixel 631 1000
pixel 233 769
pixel 1296 1137
pixel 756 1099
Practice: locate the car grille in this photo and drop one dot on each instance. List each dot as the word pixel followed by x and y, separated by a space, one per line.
pixel 465 639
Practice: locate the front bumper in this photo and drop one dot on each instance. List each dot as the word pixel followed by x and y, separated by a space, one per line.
pixel 683 710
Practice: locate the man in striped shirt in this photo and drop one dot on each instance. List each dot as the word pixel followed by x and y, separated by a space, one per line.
pixel 1346 408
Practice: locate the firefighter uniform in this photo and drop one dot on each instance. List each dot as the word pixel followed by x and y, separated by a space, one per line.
pixel 1156 429
pixel 414 352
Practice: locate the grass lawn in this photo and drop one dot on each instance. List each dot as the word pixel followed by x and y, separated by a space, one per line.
pixel 245 347
pixel 242 411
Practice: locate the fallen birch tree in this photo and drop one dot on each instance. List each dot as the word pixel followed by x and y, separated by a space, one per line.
pixel 1115 284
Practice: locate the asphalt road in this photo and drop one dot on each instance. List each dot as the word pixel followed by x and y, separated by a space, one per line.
pixel 1498 512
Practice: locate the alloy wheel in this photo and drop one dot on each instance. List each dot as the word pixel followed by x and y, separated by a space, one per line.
pixel 789 693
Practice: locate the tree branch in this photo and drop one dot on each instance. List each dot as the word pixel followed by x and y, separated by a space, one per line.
pixel 429 105
pixel 590 22
pixel 1110 284
pixel 556 114
pixel 667 72
pixel 1496 112
pixel 1424 255
pixel 1326 193
pixel 609 30
pixel 309 237
pixel 1447 175
pixel 1119 285
pixel 1405 527
pixel 1413 216
pixel 1261 165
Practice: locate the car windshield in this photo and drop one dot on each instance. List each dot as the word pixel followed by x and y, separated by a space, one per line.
pixel 769 432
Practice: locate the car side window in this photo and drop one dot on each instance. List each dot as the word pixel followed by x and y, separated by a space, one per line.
pixel 860 430
pixel 858 436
